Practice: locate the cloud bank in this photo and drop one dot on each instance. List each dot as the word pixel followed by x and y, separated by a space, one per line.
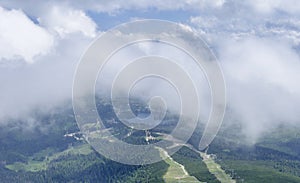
pixel 21 38
pixel 263 84
pixel 256 42
pixel 38 59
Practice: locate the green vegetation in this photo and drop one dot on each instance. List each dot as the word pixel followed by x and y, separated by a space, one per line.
pixel 194 165
pixel 216 169
pixel 257 171
pixel 176 172
pixel 32 165
pixel 44 154
pixel 274 158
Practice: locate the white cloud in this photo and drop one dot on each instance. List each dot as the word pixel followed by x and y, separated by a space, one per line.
pixel 270 6
pixel 53 47
pixel 206 22
pixel 21 38
pixel 112 6
pixel 263 83
pixel 251 39
pixel 42 85
pixel 65 21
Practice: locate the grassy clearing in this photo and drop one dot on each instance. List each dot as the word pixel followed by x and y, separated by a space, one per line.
pixel 46 156
pixel 194 165
pixel 176 172
pixel 216 169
